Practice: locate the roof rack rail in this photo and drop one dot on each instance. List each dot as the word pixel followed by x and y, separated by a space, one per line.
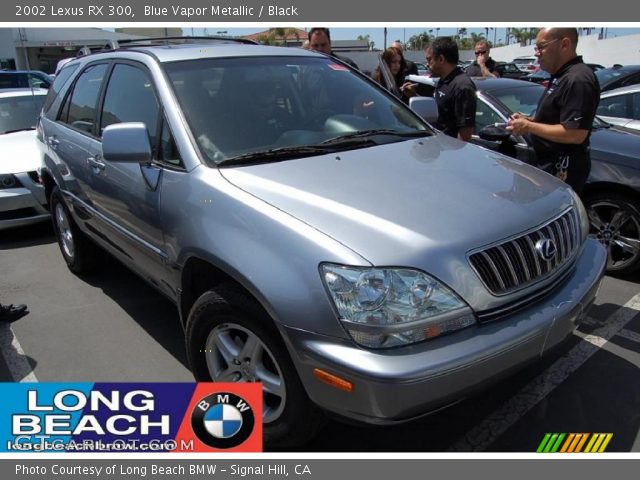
pixel 141 42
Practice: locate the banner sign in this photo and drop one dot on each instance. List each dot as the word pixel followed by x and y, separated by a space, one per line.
pixel 131 417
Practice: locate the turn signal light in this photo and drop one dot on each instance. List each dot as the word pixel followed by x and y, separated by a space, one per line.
pixel 334 381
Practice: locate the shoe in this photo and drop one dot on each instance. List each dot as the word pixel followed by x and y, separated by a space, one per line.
pixel 11 313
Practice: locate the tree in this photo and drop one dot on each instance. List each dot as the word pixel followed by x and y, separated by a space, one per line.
pixel 419 41
pixel 367 37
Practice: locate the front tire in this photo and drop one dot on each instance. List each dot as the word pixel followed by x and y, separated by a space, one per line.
pixel 615 222
pixel 78 251
pixel 231 339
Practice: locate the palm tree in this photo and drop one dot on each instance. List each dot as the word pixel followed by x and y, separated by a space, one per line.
pixel 419 41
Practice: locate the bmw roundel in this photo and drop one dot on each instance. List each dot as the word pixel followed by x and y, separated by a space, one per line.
pixel 222 420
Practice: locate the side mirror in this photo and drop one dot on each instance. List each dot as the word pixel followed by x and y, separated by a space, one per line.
pixel 493 133
pixel 126 142
pixel 426 107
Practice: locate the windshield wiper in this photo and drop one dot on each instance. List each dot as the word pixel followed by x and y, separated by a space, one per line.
pixel 276 154
pixel 20 130
pixel 367 134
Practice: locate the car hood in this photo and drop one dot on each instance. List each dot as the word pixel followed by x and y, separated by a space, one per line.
pixel 20 152
pixel 423 203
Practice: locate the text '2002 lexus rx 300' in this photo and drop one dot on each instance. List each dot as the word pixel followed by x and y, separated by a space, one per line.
pixel 315 234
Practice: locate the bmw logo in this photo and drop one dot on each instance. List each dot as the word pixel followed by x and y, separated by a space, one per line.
pixel 546 249
pixel 222 420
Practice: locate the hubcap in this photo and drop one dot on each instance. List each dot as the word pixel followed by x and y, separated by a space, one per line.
pixel 618 229
pixel 64 231
pixel 236 354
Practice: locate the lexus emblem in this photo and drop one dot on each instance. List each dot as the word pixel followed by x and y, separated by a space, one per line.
pixel 546 248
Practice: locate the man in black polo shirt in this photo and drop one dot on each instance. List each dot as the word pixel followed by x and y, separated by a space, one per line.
pixel 562 124
pixel 455 93
pixel 484 65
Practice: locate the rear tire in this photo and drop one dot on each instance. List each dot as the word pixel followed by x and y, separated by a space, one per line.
pixel 615 222
pixel 79 253
pixel 231 339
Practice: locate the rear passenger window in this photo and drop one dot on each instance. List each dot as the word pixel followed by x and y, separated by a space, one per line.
pixel 61 78
pixel 130 98
pixel 80 107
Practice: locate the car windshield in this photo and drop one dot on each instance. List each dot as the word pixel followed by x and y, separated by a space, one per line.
pixel 522 99
pixel 240 108
pixel 608 75
pixel 525 99
pixel 19 112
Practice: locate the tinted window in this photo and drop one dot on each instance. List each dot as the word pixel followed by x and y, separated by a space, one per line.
pixel 58 83
pixel 485 116
pixel 12 80
pixel 613 107
pixel 130 98
pixel 237 106
pixel 635 101
pixel 168 149
pixel 519 99
pixel 81 110
pixel 37 82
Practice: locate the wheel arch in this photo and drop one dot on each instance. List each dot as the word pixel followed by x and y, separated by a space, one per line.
pixel 592 189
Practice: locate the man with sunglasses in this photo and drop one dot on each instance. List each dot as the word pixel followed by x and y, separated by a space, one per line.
pixel 560 129
pixel 484 65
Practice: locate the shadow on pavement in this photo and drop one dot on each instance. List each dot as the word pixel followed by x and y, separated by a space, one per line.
pixel 29 236
pixel 151 310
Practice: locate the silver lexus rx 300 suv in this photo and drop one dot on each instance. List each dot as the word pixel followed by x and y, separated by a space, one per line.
pixel 316 235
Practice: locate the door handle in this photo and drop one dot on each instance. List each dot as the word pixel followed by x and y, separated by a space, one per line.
pixel 94 162
pixel 53 141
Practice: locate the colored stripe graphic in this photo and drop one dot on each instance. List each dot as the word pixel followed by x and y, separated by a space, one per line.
pixel 574 443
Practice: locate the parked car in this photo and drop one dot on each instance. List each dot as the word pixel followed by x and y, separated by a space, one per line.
pixel 423 69
pixel 22 195
pixel 612 192
pixel 619 76
pixel 526 64
pixel 24 79
pixel 621 107
pixel 541 76
pixel 595 66
pixel 315 234
pixel 508 70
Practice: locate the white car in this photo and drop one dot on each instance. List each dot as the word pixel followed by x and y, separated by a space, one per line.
pixel 621 107
pixel 22 195
pixel 526 64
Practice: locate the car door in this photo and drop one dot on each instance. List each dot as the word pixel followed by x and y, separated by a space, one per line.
pixel 126 196
pixel 486 115
pixel 68 139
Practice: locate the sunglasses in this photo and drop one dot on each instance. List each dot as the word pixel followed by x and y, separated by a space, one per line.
pixel 481 52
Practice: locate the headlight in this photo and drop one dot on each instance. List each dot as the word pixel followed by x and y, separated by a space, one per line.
pixel 389 307
pixel 582 215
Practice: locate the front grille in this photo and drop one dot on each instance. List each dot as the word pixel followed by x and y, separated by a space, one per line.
pixel 515 264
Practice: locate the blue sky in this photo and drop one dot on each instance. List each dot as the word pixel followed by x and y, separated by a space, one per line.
pixel 403 34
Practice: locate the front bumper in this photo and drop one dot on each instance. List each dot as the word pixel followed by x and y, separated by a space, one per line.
pixel 23 205
pixel 397 385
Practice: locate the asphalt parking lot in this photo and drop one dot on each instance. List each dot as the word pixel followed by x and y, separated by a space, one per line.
pixel 111 326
